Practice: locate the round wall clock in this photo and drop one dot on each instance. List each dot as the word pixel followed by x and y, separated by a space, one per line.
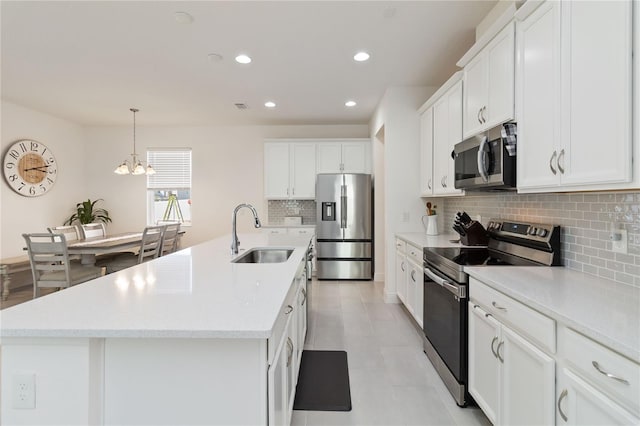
pixel 30 168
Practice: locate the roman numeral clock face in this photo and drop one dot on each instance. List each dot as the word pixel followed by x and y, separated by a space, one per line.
pixel 30 168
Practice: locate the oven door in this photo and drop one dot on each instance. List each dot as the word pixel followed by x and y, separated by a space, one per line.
pixel 445 321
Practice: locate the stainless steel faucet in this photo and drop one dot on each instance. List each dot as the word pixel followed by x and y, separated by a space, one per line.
pixel 234 235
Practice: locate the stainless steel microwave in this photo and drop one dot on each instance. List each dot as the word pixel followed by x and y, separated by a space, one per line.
pixel 487 161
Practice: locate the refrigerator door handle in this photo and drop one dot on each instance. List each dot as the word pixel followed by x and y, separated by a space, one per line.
pixel 343 206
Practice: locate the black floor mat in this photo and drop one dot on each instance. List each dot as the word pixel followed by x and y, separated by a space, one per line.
pixel 323 383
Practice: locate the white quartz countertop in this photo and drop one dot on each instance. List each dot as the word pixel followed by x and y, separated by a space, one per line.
pixel 421 239
pixel 604 310
pixel 193 293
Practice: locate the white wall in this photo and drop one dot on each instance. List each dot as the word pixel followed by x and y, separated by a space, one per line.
pixel 20 214
pixel 403 208
pixel 227 171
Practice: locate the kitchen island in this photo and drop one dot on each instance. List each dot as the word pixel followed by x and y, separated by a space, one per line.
pixel 189 338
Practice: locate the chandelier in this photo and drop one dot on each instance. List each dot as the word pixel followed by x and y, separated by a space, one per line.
pixel 134 166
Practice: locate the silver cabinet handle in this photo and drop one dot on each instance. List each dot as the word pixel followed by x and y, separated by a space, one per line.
pixel 290 347
pixel 288 310
pixel 609 375
pixel 493 342
pixel 304 293
pixel 561 158
pixel 293 191
pixel 551 160
pixel 478 116
pixel 287 191
pixel 429 184
pixel 563 395
pixel 402 266
pixel 413 275
pixel 495 305
pixel 484 118
pixel 498 351
pixel 444 181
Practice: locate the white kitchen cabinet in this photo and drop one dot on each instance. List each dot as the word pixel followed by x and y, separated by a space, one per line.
pixel 579 403
pixel 574 86
pixel 489 85
pixel 426 153
pixel 289 170
pixel 410 279
pixel 401 276
pixel 447 131
pixel 344 156
pixel 415 291
pixel 511 379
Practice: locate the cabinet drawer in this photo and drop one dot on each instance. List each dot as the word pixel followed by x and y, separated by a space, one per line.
pixel 281 322
pixel 414 253
pixel 588 357
pixel 541 329
pixel 302 231
pixel 272 231
pixel 401 245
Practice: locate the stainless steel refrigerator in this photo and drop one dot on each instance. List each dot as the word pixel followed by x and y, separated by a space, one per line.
pixel 344 229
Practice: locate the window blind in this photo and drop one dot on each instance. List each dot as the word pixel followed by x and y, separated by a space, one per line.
pixel 172 166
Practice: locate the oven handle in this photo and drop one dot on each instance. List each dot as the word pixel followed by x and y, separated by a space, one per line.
pixel 457 291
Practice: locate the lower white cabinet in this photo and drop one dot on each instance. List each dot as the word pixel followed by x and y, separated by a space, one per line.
pixel 512 381
pixel 579 403
pixel 282 375
pixel 410 279
pixel 401 276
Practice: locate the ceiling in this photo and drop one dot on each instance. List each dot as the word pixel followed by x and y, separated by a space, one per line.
pixel 89 62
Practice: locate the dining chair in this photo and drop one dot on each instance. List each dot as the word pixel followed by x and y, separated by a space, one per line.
pixel 150 247
pixel 91 230
pixel 71 233
pixel 50 263
pixel 170 238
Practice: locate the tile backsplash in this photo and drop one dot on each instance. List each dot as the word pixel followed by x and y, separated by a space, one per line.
pixel 278 209
pixel 585 218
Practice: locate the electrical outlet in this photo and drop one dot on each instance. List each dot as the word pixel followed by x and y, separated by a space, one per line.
pixel 24 391
pixel 620 245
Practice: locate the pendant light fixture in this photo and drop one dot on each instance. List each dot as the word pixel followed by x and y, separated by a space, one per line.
pixel 134 166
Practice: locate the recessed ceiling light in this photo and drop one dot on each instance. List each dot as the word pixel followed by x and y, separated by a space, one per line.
pixel 361 56
pixel 243 59
pixel 214 57
pixel 270 104
pixel 183 18
pixel 350 104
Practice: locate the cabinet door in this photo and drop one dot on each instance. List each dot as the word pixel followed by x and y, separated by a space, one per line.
pixel 501 75
pixel 410 300
pixel 276 170
pixel 484 366
pixel 578 403
pixel 329 157
pixel 277 386
pixel 303 170
pixel 475 94
pixel 454 99
pixel 596 90
pixel 426 153
pixel 355 157
pixel 302 316
pixel 527 382
pixel 291 364
pixel 538 87
pixel 416 280
pixel 401 274
pixel 440 145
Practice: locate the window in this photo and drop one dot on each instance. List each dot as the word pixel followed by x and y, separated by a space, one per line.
pixel 169 189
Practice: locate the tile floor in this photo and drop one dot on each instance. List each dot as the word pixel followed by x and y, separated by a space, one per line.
pixel 392 381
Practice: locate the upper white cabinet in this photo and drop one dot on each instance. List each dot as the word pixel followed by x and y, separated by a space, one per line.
pixel 289 170
pixel 440 130
pixel 426 153
pixel 574 96
pixel 489 84
pixel 344 156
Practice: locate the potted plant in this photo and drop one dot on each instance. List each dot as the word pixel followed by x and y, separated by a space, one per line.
pixel 86 212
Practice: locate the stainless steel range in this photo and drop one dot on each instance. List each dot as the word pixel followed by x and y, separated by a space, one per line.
pixel 446 293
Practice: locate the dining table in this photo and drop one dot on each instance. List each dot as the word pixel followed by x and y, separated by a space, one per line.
pixel 89 248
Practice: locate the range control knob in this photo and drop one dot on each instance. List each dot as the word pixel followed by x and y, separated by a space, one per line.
pixel 542 232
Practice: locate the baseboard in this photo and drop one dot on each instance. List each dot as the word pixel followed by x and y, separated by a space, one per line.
pixel 391 298
pixel 378 277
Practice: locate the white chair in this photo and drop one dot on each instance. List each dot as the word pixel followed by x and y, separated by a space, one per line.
pixel 50 264
pixel 71 233
pixel 150 247
pixel 170 238
pixel 90 230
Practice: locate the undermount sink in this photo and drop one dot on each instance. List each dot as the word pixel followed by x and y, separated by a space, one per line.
pixel 264 255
